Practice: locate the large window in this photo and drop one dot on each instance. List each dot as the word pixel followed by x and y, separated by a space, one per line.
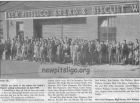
pixel 107 28
pixel 19 27
pixel 60 27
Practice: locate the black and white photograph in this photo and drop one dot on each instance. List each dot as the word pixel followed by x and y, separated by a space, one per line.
pixel 66 39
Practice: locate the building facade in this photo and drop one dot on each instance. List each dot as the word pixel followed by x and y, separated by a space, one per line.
pixel 103 27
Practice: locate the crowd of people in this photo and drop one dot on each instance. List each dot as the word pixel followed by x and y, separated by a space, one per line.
pixel 67 50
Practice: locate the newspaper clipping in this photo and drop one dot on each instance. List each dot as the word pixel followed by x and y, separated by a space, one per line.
pixel 70 51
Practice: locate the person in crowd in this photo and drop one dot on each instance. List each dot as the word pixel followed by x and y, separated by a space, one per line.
pixel 113 52
pixel 35 50
pixel 110 46
pixel 13 49
pixel 75 50
pixel 118 53
pixel 104 52
pixel 42 57
pixel 99 50
pixel 131 53
pixel 30 50
pixel 65 50
pixel 50 46
pixel 83 54
pixel 23 49
pixel 136 51
pixel 19 51
pixel 91 51
pixel 125 52
pixel 1 49
pixel 8 49
pixel 59 52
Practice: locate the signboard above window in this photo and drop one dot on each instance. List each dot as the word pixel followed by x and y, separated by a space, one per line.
pixel 91 10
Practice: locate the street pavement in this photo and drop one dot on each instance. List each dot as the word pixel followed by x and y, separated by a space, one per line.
pixel 26 69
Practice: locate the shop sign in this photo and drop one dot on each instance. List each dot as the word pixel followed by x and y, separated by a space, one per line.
pixel 121 8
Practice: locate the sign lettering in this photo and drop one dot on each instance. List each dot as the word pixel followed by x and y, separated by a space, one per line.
pixel 76 11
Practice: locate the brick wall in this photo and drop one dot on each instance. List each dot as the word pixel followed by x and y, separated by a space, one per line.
pixel 92 24
pixel 128 27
